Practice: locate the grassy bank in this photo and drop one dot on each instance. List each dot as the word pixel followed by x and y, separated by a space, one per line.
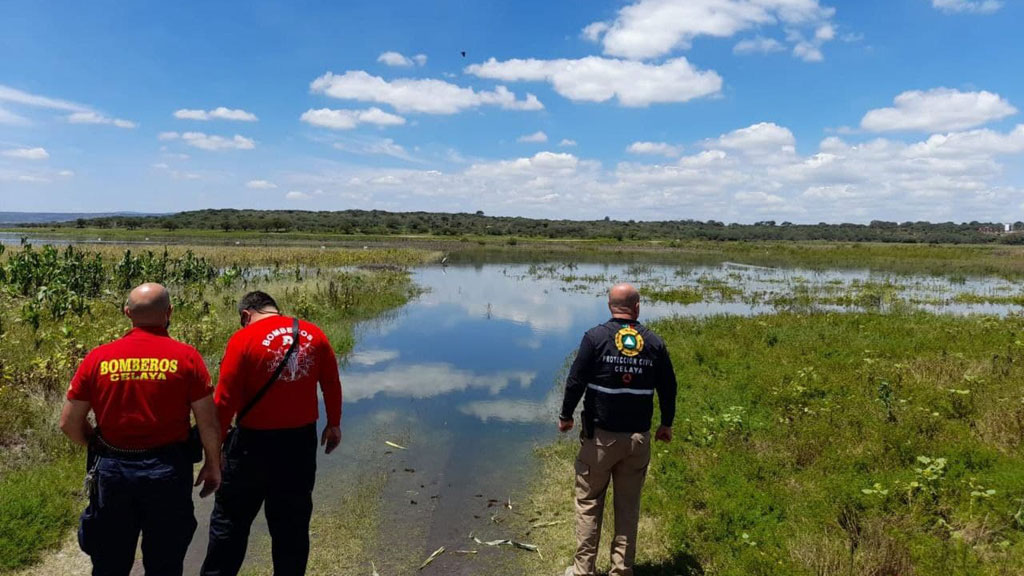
pixel 829 444
pixel 56 304
pixel 1000 260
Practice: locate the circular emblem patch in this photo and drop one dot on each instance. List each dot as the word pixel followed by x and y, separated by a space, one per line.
pixel 629 341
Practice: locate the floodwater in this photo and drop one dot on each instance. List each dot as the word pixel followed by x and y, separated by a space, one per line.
pixel 467 378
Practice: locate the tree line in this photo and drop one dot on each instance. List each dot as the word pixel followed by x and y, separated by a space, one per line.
pixel 377 222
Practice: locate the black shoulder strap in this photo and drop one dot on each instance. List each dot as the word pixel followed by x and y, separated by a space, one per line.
pixel 273 378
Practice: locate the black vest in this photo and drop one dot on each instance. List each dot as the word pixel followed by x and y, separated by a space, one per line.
pixel 622 377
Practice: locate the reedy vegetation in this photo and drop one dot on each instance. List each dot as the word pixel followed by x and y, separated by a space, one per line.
pixel 58 303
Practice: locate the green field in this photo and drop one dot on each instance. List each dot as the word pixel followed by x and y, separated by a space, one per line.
pixel 57 303
pixel 853 443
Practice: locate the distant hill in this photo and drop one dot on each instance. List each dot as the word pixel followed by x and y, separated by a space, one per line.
pixel 8 218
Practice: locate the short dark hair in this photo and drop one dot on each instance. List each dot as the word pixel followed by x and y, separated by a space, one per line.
pixel 256 300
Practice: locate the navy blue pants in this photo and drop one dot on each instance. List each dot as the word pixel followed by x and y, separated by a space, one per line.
pixel 151 497
pixel 275 469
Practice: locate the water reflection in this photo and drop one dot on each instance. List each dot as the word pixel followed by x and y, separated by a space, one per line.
pixel 485 343
pixel 426 380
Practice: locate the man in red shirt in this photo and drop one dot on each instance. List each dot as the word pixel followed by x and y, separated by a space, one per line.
pixel 270 458
pixel 141 389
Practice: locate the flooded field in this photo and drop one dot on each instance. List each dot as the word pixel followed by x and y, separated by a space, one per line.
pixel 448 397
pixel 468 378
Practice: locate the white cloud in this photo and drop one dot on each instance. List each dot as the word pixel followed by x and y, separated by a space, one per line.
pixel 65 173
pixel 97 118
pixel 387 147
pixel 14 96
pixel 938 110
pixel 515 411
pixel 260 185
pixel 27 153
pixel 749 174
pixel 660 148
pixel 759 199
pixel 595 79
pixel 428 96
pixel 970 6
pixel 372 357
pixel 758 44
pixel 807 48
pixel 394 59
pixel 210 142
pixel 79 113
pixel 427 381
pixel 537 137
pixel 594 31
pixel 296 195
pixel 654 28
pixel 376 147
pixel 567 143
pixel 176 174
pixel 10 118
pixel 759 139
pixel 975 143
pixel 219 113
pixel 398 59
pixel 349 119
pixel 540 163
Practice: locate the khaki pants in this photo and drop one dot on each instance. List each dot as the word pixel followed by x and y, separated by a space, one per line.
pixel 621 458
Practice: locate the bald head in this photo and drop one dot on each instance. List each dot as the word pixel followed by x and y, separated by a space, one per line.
pixel 624 301
pixel 148 306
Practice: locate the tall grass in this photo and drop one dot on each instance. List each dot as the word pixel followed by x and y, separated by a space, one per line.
pixel 818 444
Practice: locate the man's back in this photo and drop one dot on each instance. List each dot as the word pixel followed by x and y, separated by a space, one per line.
pixel 628 364
pixel 141 388
pixel 270 458
pixel 252 356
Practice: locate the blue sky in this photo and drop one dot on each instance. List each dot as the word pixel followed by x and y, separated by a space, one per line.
pixel 735 110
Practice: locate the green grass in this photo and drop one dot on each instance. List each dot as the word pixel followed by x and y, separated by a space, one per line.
pixel 44 335
pixel 801 438
pixel 37 508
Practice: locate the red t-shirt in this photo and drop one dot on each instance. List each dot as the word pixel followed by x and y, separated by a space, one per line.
pixel 141 388
pixel 253 354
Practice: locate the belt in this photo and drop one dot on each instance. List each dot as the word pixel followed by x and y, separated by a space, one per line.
pixel 101 448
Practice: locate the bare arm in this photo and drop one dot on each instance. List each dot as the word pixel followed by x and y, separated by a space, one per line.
pixel 209 427
pixel 330 385
pixel 74 421
pixel 209 432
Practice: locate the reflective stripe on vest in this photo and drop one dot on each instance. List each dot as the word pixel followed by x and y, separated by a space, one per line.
pixel 639 392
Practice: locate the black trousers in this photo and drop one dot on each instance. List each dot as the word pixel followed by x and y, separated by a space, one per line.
pixel 275 469
pixel 151 497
